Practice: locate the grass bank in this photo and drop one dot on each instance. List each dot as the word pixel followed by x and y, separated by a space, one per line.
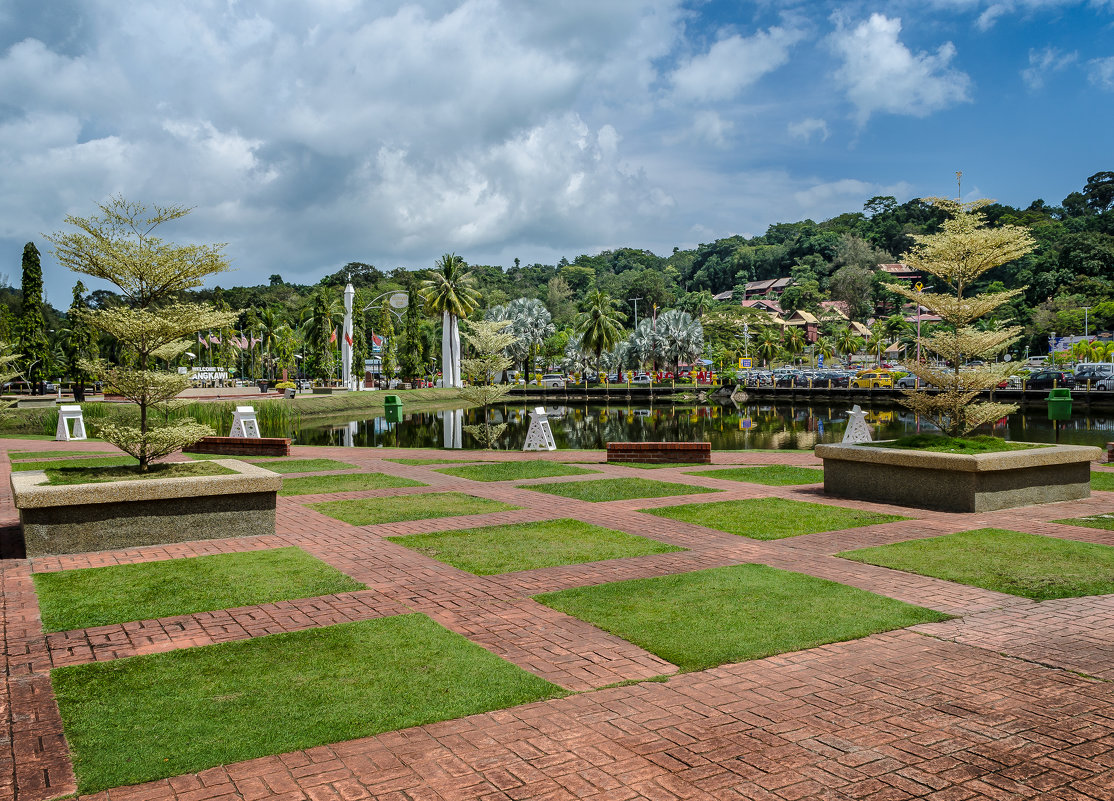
pixel 277 416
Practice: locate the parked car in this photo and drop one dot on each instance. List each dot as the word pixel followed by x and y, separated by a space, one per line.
pixel 642 378
pixel 1047 379
pixel 873 379
pixel 553 380
pixel 830 379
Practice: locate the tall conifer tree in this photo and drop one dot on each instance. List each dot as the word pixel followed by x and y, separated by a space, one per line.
pixel 32 328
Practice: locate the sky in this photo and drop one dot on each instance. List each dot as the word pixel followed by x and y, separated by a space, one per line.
pixel 306 135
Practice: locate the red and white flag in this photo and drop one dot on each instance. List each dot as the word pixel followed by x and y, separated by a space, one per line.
pixel 348 338
pixel 333 336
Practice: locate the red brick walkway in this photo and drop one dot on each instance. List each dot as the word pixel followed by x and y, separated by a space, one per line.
pixel 988 705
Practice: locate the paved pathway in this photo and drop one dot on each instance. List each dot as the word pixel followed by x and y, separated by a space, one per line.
pixel 990 704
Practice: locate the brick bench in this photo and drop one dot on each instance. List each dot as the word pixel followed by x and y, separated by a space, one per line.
pixel 660 452
pixel 241 446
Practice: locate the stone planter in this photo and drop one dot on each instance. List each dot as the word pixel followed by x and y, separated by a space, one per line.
pixel 122 514
pixel 958 482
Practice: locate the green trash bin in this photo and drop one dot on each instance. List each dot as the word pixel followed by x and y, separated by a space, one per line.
pixel 1059 404
pixel 393 406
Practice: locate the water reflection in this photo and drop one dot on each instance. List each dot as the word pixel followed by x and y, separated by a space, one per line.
pixel 730 427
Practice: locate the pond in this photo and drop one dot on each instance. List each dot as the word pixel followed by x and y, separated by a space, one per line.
pixel 730 427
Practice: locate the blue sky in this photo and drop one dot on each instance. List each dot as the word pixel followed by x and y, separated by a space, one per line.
pixel 312 134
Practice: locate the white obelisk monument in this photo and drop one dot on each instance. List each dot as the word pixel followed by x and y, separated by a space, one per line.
pixel 450 352
pixel 346 342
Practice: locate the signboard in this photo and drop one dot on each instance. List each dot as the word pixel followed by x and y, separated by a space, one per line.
pixel 744 364
pixel 209 374
pixel 820 360
pixel 399 300
pixel 745 424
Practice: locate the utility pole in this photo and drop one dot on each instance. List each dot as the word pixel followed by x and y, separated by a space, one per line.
pixel 1086 327
pixel 635 310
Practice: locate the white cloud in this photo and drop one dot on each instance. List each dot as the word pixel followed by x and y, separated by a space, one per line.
pixel 880 74
pixel 807 128
pixel 1043 63
pixel 1100 71
pixel 732 64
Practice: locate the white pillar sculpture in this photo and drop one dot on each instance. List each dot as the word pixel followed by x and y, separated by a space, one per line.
pixel 346 342
pixel 450 351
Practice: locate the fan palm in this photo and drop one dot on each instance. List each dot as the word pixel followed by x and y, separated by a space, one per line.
pixel 450 292
pixel 683 337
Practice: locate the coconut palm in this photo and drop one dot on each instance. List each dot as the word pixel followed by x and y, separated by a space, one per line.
pixel 599 325
pixel 269 323
pixel 450 292
pixel 876 345
pixel 767 344
pixel 794 342
pixel 823 347
pixel 697 303
pixel 847 342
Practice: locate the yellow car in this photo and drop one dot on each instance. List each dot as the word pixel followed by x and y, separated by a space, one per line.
pixel 873 379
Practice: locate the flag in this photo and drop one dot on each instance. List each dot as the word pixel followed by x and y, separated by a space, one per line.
pixel 214 339
pixel 348 338
pixel 333 336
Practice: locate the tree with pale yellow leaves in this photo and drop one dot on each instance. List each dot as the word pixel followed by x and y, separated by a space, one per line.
pixel 962 250
pixel 120 246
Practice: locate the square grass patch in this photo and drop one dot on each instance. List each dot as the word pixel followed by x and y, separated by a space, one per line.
pixel 772 475
pixel 370 511
pixel 96 461
pixel 345 482
pixel 148 717
pixel 1102 480
pixel 617 489
pixel 76 473
pixel 711 617
pixel 771 518
pixel 528 546
pixel 23 456
pixel 302 465
pixel 509 471
pixel 99 596
pixel 1029 565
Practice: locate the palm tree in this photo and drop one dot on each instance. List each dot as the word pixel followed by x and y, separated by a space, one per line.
pixel 794 342
pixel 531 324
pixel 682 337
pixel 823 347
pixel 876 344
pixel 847 342
pixel 646 345
pixel 450 292
pixel 697 303
pixel 768 343
pixel 269 322
pixel 599 325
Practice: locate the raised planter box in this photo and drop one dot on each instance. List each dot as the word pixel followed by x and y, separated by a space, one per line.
pixel 953 482
pixel 123 514
pixel 328 390
pixel 660 452
pixel 241 446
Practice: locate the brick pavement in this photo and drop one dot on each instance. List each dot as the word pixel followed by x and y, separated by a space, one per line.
pixel 982 706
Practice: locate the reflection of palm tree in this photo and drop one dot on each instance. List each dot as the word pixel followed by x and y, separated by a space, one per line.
pixel 449 291
pixel 598 325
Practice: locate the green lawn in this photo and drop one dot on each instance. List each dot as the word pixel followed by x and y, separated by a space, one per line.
pixel 302 465
pixel 508 471
pixel 1028 565
pixel 773 475
pixel 369 511
pixel 99 475
pixel 729 614
pixel 1102 480
pixel 1103 521
pixel 771 518
pixel 617 489
pixel 528 546
pixel 97 461
pixel 98 596
pixel 345 482
pixel 22 456
pixel 148 717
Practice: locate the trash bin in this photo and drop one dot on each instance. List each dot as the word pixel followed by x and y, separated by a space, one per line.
pixel 289 394
pixel 393 407
pixel 262 386
pixel 1059 404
